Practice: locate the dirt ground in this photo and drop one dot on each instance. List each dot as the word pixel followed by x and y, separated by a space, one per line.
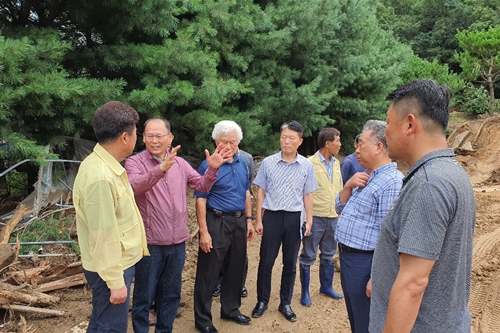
pixel 327 315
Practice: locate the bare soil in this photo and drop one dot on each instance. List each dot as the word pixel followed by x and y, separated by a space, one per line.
pixel 325 315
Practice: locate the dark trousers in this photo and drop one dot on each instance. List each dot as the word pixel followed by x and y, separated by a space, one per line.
pixel 354 275
pixel 107 317
pixel 245 272
pixel 158 278
pixel 280 227
pixel 229 250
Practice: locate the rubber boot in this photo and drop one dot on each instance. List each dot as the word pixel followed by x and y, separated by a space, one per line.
pixel 326 280
pixel 305 276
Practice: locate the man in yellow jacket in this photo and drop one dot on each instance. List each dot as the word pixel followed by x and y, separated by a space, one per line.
pixel 327 172
pixel 110 228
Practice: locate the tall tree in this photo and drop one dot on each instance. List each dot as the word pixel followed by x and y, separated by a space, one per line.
pixel 480 59
pixel 39 102
pixel 428 26
pixel 196 62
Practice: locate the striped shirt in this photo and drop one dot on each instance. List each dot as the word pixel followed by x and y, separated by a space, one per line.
pixel 361 216
pixel 285 183
pixel 328 165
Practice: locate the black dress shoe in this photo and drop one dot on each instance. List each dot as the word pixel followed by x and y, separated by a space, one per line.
pixel 208 329
pixel 239 319
pixel 259 309
pixel 244 292
pixel 287 312
pixel 217 290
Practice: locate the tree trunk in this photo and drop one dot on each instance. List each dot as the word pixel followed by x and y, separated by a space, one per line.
pixel 10 294
pixel 492 97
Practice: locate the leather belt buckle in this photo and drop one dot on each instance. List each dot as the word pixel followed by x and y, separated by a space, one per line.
pixel 238 214
pixel 217 213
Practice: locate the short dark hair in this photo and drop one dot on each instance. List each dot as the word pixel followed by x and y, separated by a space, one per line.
pixel 427 99
pixel 167 124
pixel 327 134
pixel 292 125
pixel 112 119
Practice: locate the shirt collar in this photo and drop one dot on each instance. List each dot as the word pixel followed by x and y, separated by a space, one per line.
pixel 445 152
pixel 109 159
pixel 156 158
pixel 323 159
pixel 295 160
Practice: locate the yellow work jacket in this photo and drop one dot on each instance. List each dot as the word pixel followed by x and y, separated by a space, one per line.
pixel 324 196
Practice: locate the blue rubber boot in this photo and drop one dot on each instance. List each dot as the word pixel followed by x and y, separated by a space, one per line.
pixel 305 277
pixel 326 280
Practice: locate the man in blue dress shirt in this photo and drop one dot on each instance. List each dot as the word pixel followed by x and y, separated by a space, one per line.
pixel 286 184
pixel 225 222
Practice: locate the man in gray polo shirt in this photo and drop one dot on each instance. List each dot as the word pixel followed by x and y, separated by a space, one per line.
pixel 422 263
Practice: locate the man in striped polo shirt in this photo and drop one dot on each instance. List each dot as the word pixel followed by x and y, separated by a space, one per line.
pixel 286 184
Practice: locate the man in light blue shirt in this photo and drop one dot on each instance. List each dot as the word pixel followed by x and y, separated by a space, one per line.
pixel 286 184
pixel 362 205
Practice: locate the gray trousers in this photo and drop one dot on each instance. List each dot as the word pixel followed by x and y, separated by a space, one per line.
pixel 323 236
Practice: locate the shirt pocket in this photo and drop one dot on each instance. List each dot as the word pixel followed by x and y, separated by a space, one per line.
pixel 128 235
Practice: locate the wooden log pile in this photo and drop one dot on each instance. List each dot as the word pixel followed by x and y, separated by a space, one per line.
pixel 25 290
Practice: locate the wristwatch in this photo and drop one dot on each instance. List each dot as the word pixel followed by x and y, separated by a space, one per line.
pixel 250 218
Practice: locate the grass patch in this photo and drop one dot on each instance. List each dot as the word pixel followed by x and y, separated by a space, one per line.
pixel 52 229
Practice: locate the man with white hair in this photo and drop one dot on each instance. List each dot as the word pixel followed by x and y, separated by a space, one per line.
pixel 225 222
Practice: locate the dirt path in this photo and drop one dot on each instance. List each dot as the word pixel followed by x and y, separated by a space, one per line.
pixel 485 293
pixel 325 315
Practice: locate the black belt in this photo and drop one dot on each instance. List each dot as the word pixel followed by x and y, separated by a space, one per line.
pixel 348 249
pixel 220 213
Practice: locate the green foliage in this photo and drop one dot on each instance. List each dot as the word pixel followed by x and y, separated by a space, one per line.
pixel 418 68
pixel 51 229
pixel 481 52
pixel 39 103
pixel 484 14
pixel 320 62
pixel 481 57
pixel 428 26
pixel 16 183
pixel 475 99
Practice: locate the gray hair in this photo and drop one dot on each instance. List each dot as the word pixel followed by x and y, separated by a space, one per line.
pixel 226 127
pixel 378 131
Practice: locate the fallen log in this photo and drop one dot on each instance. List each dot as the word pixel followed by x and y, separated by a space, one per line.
pixel 70 281
pixel 12 294
pixel 31 309
pixel 9 254
pixel 12 223
pixel 24 276
pixel 43 274
pixel 61 271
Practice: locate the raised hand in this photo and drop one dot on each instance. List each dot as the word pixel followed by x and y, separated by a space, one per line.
pixel 169 161
pixel 220 155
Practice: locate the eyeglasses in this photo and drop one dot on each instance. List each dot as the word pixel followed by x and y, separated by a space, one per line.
pixel 157 136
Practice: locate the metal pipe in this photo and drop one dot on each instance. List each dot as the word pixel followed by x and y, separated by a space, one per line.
pixel 44 243
pixel 45 255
